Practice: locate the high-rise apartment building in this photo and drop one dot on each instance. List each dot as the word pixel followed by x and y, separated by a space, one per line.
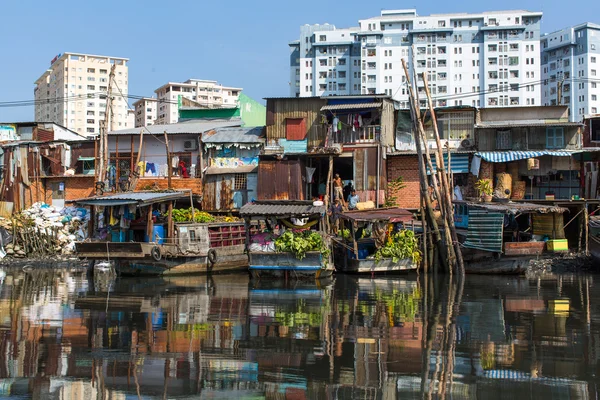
pixel 145 111
pixel 490 59
pixel 570 69
pixel 205 93
pixel 73 92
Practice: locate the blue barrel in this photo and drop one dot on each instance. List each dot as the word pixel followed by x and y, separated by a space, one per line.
pixel 158 234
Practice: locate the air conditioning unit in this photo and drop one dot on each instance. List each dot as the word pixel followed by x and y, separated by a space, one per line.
pixel 467 144
pixel 190 145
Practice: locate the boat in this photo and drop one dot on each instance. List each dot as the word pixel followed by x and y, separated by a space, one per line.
pixel 354 252
pixel 137 233
pixel 286 217
pixel 504 237
pixel 594 237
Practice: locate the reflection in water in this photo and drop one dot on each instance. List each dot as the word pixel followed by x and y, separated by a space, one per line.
pixel 225 337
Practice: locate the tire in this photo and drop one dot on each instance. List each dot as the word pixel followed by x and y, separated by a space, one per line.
pixel 212 257
pixel 156 254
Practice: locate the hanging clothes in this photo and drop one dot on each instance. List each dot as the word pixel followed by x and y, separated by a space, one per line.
pixel 335 124
pixel 340 126
pixel 309 174
pixel 175 161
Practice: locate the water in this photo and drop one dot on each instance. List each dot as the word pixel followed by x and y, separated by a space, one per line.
pixel 66 337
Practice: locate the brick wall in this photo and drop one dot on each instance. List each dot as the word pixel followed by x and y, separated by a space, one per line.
pixel 176 183
pixel 75 188
pixel 408 168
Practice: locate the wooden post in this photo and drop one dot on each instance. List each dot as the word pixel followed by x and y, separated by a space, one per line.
pixel 170 223
pixel 424 241
pixel 192 205
pixel 132 166
pixel 169 162
pixel 201 161
pixel 135 174
pixel 417 127
pixel 150 227
pixel 586 221
pixel 447 195
pixel 328 192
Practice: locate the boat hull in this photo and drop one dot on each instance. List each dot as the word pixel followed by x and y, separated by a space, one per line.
pixel 181 266
pixel 502 266
pixel 287 266
pixel 367 266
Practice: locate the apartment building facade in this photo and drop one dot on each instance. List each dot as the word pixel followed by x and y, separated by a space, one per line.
pixel 205 93
pixel 490 59
pixel 73 92
pixel 570 69
pixel 145 111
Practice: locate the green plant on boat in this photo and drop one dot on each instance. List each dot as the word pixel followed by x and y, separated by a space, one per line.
pixel 185 215
pixel 401 245
pixel 301 242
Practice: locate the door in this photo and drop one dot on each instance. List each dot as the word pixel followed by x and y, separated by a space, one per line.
pixel 58 194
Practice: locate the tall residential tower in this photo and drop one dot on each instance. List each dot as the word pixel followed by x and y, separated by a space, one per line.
pixel 491 59
pixel 73 92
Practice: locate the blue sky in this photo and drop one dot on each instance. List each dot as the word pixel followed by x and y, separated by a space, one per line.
pixel 238 43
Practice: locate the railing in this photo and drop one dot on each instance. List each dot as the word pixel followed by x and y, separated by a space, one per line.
pixel 365 134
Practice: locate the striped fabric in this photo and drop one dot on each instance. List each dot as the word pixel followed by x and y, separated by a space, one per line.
pixel 507 156
pixel 485 231
pixel 460 163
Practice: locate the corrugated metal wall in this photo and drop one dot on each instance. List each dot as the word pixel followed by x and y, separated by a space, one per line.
pixel 281 180
pixel 278 110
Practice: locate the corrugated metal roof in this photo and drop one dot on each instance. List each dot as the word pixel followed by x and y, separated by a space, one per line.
pixel 524 123
pixel 282 208
pixel 351 106
pixel 382 214
pixel 140 198
pixel 515 208
pixel 189 127
pixel 244 169
pixel 234 135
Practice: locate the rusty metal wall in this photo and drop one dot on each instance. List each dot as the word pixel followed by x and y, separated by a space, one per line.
pixel 281 180
pixel 279 110
pixel 217 193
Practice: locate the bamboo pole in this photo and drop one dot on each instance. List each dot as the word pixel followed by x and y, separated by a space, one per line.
pixel 449 215
pixel 417 124
pixel 135 173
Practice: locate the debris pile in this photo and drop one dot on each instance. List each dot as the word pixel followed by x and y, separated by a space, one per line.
pixel 43 230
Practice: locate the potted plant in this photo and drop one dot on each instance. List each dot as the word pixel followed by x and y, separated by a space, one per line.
pixel 485 189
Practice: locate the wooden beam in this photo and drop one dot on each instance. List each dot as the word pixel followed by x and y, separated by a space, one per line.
pixel 169 161
pixel 170 223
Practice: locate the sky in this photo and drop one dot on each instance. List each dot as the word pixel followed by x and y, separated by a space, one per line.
pixel 237 43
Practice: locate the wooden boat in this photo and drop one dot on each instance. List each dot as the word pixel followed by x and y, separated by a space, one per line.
pixel 594 237
pixel 499 238
pixel 278 216
pixel 148 247
pixel 352 255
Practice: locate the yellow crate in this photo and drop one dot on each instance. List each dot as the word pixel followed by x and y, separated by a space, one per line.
pixel 557 245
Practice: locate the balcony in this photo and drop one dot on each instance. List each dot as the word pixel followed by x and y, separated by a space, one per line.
pixel 365 134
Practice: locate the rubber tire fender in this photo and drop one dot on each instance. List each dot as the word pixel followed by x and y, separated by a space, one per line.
pixel 212 256
pixel 156 254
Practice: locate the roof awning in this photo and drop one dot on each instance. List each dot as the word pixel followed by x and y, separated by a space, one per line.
pixel 86 158
pixel 382 214
pixel 508 156
pixel 351 106
pixel 529 123
pixel 459 163
pixel 139 198
pixel 244 169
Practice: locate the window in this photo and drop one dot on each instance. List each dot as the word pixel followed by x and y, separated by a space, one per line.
pixel 322 38
pixel 241 181
pixel 593 60
pixel 555 138
pixel 295 129
pixel 454 126
pixel 89 165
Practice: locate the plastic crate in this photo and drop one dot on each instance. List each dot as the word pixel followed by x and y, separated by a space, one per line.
pixel 557 245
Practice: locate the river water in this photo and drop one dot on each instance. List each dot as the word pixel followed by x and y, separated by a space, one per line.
pixel 65 336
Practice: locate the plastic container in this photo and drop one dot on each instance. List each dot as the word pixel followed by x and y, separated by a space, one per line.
pixel 557 245
pixel 158 234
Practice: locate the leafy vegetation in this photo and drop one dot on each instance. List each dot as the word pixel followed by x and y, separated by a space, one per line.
pixel 301 242
pixel 185 215
pixel 394 186
pixel 401 245
pixel 484 187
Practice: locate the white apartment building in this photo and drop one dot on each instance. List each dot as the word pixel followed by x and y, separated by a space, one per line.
pixel 491 59
pixel 205 93
pixel 73 92
pixel 570 69
pixel 145 111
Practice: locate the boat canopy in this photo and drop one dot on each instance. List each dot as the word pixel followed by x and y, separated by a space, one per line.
pixel 382 214
pixel 282 209
pixel 137 198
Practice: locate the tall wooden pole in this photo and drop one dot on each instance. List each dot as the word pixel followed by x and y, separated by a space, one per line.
pixel 169 161
pixel 447 195
pixel 136 171
pixel 422 174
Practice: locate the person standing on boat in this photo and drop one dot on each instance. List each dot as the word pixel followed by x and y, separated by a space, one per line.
pixel 334 213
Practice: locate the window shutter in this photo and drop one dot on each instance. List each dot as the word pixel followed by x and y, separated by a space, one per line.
pixel 295 129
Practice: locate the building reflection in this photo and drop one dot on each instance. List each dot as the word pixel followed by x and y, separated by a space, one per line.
pixel 64 337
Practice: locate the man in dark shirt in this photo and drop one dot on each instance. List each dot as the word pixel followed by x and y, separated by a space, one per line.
pixel 334 212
